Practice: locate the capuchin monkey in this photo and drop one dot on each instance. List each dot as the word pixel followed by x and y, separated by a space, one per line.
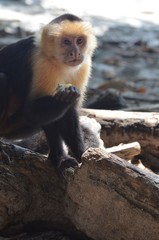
pixel 43 80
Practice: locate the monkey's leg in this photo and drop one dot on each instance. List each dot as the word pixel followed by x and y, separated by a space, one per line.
pixel 57 154
pixel 55 143
pixel 72 134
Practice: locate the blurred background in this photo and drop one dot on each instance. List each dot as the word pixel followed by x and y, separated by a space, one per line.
pixel 126 63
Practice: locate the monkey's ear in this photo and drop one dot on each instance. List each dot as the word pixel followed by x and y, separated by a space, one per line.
pixel 38 35
pixel 46 32
pixel 42 35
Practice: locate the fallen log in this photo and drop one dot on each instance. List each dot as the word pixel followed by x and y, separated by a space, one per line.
pixel 114 199
pixel 125 127
pixel 106 198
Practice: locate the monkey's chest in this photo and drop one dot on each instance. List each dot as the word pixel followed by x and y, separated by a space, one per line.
pixel 64 80
pixel 47 80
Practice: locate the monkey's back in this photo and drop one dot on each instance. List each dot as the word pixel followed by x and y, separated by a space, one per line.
pixel 15 62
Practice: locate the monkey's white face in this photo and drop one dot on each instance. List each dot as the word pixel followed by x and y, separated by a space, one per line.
pixel 70 50
pixel 68 43
pixel 73 49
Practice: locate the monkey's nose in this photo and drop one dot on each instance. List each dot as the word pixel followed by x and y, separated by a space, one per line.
pixel 74 54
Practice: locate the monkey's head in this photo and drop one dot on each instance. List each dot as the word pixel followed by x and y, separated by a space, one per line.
pixel 67 40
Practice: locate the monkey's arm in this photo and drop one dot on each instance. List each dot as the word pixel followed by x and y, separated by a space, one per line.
pixel 47 109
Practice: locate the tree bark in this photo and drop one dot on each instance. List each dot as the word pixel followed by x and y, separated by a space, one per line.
pixel 31 191
pixel 106 198
pixel 115 200
pixel 125 127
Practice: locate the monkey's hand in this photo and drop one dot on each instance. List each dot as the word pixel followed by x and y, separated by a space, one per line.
pixel 44 110
pixel 67 93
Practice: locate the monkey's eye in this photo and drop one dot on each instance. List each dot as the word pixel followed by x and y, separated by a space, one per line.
pixel 80 40
pixel 66 42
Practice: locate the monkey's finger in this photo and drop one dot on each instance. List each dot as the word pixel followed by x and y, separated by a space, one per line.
pixel 73 94
pixel 68 94
pixel 65 95
pixel 75 91
pixel 62 95
pixel 59 95
pixel 72 97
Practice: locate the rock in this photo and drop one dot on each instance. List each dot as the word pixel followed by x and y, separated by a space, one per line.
pixel 108 99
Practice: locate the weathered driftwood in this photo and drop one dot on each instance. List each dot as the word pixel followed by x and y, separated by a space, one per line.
pixel 125 127
pixel 106 198
pixel 126 151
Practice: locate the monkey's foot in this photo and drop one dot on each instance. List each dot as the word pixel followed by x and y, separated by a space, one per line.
pixel 68 162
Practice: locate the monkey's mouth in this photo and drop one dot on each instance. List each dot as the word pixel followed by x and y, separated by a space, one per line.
pixel 74 62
